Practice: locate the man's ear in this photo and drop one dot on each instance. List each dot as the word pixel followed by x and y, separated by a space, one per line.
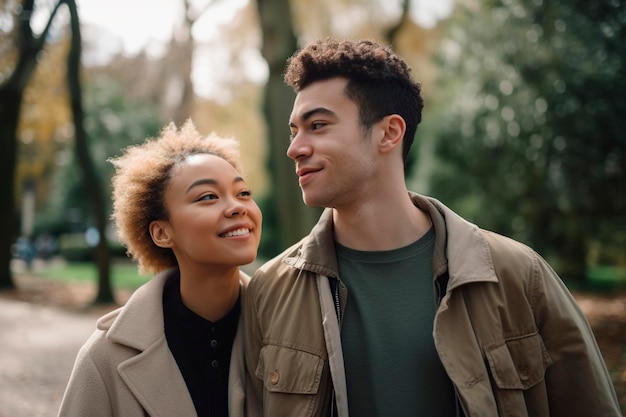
pixel 392 128
pixel 160 233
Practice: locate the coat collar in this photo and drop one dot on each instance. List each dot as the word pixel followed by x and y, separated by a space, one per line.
pixel 128 325
pixel 152 375
pixel 461 250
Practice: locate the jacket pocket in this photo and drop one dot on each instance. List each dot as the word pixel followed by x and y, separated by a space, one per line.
pixel 290 371
pixel 518 363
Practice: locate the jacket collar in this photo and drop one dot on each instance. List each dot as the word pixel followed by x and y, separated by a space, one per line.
pixel 460 246
pixel 461 250
pixel 316 252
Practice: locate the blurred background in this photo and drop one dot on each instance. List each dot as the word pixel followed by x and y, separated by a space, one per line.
pixel 522 132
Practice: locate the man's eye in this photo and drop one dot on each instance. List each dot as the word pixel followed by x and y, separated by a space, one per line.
pixel 292 136
pixel 317 125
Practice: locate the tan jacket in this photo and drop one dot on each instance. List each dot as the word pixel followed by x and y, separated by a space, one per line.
pixel 126 369
pixel 508 332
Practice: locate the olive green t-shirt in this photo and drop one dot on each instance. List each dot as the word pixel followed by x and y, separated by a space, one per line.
pixel 392 367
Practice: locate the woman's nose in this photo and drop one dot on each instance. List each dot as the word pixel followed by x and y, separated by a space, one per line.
pixel 236 209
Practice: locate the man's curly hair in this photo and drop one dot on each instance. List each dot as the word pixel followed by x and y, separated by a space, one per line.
pixel 142 175
pixel 379 81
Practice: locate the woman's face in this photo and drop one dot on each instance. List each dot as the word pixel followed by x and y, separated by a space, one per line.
pixel 213 220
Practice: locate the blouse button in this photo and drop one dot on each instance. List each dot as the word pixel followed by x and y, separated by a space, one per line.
pixel 215 363
pixel 213 343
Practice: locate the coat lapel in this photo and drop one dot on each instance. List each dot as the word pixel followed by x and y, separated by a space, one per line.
pixel 152 375
pixel 166 393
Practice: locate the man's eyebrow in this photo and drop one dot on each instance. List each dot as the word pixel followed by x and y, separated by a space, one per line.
pixel 210 181
pixel 310 113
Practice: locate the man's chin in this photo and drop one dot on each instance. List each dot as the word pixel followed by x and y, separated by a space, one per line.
pixel 311 201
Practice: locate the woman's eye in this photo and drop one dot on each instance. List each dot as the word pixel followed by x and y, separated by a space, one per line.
pixel 207 197
pixel 246 193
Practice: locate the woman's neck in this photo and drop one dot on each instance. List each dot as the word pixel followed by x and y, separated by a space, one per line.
pixel 210 296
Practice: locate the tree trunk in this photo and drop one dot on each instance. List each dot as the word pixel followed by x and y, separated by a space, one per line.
pixel 91 183
pixel 11 95
pixel 295 219
pixel 10 103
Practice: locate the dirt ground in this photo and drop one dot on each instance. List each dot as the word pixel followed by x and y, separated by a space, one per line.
pixel 43 324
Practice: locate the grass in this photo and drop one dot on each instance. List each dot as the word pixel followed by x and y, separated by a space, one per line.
pixel 607 274
pixel 123 274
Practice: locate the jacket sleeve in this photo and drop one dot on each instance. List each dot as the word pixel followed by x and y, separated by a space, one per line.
pixel 86 393
pixel 578 378
pixel 253 345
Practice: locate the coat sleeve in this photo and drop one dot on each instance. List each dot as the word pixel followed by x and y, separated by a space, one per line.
pixel 86 393
pixel 578 378
pixel 254 343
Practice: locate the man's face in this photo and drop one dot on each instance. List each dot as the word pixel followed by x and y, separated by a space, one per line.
pixel 334 157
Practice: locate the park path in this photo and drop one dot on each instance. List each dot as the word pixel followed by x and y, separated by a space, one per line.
pixel 38 345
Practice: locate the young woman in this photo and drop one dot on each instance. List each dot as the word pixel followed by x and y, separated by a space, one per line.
pixel 185 213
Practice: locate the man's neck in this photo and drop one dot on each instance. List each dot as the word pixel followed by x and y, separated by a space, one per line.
pixel 382 224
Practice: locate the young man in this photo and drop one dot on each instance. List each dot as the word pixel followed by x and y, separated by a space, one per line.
pixel 393 305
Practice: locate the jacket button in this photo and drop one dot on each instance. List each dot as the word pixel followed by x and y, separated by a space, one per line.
pixel 274 377
pixel 523 374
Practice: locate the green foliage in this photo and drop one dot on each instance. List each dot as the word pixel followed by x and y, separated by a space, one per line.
pixel 270 244
pixel 530 142
pixel 113 122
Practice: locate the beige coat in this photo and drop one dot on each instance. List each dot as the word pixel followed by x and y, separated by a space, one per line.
pixel 126 369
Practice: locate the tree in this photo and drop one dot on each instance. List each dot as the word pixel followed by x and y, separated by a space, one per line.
pixel 44 123
pixel 530 143
pixel 92 185
pixel 294 218
pixel 11 96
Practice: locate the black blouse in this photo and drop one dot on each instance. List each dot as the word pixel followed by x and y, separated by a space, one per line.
pixel 202 350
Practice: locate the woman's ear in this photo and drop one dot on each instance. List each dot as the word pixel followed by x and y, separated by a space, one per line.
pixel 160 233
pixel 392 128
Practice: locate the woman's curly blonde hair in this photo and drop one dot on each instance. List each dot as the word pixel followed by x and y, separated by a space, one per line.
pixel 142 175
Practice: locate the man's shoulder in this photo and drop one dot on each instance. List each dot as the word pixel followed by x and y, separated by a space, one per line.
pixel 279 270
pixel 278 262
pixel 504 246
pixel 510 256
